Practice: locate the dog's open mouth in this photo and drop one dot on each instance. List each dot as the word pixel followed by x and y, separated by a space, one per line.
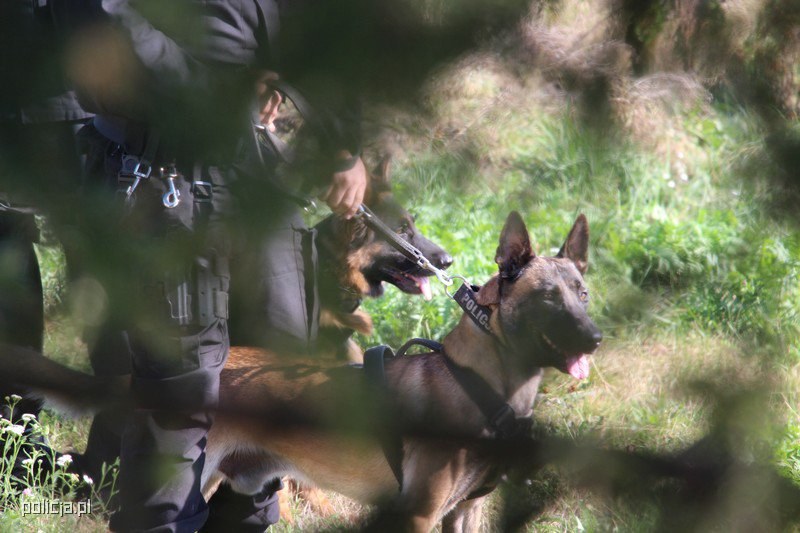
pixel 409 283
pixel 576 366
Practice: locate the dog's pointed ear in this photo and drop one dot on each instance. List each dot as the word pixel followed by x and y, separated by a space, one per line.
pixel 576 247
pixel 514 250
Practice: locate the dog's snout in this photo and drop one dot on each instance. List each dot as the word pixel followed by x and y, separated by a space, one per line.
pixel 442 260
pixel 597 337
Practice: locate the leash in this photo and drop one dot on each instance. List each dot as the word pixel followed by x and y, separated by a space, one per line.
pixel 411 252
pixel 390 438
pixel 465 296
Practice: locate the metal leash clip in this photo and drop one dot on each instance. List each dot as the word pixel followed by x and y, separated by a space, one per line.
pixel 135 169
pixel 462 278
pixel 438 272
pixel 172 197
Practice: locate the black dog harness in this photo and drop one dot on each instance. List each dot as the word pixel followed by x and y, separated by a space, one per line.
pixel 502 420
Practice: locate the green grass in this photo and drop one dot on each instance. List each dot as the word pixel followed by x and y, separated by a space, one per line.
pixel 694 281
pixel 705 247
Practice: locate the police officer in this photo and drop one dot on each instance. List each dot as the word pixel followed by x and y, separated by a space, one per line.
pixel 172 140
pixel 38 151
pixel 274 294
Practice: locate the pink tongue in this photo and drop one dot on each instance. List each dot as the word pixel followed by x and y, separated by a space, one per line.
pixel 578 366
pixel 424 287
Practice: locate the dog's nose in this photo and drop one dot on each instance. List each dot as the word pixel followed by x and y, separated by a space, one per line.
pixel 597 337
pixel 442 260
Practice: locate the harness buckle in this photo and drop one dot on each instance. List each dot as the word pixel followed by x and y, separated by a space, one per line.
pixel 504 421
pixel 202 191
pixel 142 169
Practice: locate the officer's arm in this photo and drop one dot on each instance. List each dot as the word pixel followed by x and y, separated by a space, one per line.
pixel 332 96
pixel 120 62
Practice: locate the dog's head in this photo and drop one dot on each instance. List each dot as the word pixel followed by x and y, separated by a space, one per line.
pixel 541 302
pixel 370 260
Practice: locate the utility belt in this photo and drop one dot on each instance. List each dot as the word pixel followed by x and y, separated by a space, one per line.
pixel 160 201
pixel 150 180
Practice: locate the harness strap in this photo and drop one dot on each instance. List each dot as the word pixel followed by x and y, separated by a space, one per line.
pixel 427 343
pixel 502 419
pixel 150 148
pixel 391 441
pixel 501 416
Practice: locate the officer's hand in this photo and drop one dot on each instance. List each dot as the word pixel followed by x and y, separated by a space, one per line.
pixel 269 100
pixel 269 110
pixel 347 189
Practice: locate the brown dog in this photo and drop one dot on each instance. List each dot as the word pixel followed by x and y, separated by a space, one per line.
pixel 310 420
pixel 355 263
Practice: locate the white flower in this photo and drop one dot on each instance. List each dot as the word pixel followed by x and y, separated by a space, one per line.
pixel 15 397
pixel 27 492
pixel 88 480
pixel 14 428
pixel 64 460
pixel 27 417
pixel 28 461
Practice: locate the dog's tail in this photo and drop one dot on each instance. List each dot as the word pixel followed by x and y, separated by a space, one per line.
pixel 63 388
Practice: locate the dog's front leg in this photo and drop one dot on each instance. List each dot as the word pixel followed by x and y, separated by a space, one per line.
pixel 430 474
pixel 465 517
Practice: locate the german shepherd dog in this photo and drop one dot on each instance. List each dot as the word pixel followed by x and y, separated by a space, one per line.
pixel 537 318
pixel 355 263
